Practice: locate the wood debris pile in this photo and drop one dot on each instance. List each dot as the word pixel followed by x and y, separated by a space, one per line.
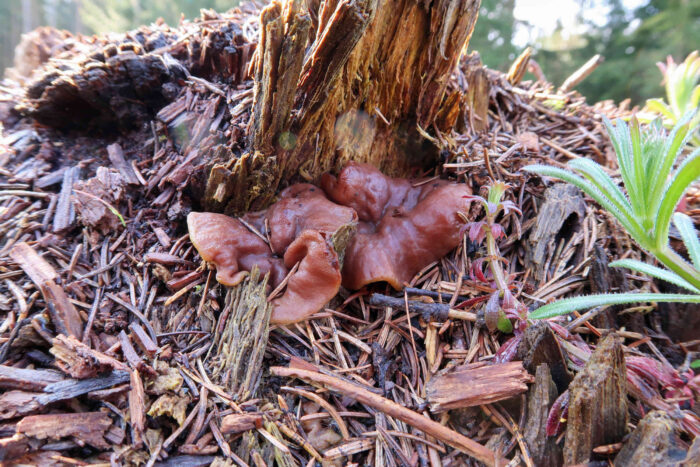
pixel 118 346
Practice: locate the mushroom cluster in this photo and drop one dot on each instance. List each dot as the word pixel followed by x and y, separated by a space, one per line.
pixel 387 228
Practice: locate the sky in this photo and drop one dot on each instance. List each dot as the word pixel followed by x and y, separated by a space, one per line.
pixel 543 16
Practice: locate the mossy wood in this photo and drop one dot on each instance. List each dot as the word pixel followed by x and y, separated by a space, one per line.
pixel 343 80
pixel 240 338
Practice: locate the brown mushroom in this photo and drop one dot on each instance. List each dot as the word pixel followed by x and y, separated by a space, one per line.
pixel 403 227
pixel 301 207
pixel 300 227
pixel 315 282
pixel 232 248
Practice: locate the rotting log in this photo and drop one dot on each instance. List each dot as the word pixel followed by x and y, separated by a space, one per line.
pixel 597 403
pixel 346 80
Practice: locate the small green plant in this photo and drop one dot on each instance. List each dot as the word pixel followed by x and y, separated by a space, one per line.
pixel 682 92
pixel 501 305
pixel 646 160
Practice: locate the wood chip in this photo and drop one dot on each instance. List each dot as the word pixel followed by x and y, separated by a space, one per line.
pixel 63 313
pixel 116 155
pixel 476 384
pixel 86 427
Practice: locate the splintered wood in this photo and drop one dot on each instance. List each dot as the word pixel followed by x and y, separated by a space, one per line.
pixel 63 314
pixel 89 427
pixel 476 384
pixel 353 96
pixel 241 337
pixel 597 403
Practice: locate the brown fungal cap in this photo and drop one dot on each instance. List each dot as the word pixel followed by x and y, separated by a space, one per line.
pixel 303 207
pixel 366 190
pixel 404 228
pixel 315 282
pixel 232 248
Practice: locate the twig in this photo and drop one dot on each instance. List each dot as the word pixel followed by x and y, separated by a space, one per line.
pixel 416 420
pixel 436 311
pixel 582 73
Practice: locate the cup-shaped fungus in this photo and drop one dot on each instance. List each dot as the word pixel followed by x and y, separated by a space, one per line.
pixel 232 248
pixel 303 226
pixel 315 282
pixel 301 207
pixel 403 228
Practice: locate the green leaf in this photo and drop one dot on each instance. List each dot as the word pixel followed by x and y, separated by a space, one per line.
pixel 660 107
pixel 620 137
pixel 654 271
pixel 686 174
pixel 596 175
pixel 504 325
pixel 695 364
pixel 636 186
pixel 675 142
pixel 685 226
pixel 569 305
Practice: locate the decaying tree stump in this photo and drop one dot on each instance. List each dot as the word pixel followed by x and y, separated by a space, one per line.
pixel 597 403
pixel 345 80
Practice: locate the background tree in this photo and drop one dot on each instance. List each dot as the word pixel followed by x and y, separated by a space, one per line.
pixel 493 34
pixel 631 41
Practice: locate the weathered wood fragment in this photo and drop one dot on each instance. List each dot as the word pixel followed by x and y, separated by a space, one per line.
pixel 63 314
pixel 476 384
pixel 186 461
pixel 559 217
pixel 137 409
pixel 69 388
pixel 80 361
pixel 27 379
pixel 543 449
pixel 653 442
pixel 85 427
pixel 238 423
pixel 597 403
pixel 143 339
pixel 116 156
pixel 241 337
pixel 65 212
pixel 17 403
pixel 539 345
pixel 519 67
pixel 132 357
pixel 477 98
